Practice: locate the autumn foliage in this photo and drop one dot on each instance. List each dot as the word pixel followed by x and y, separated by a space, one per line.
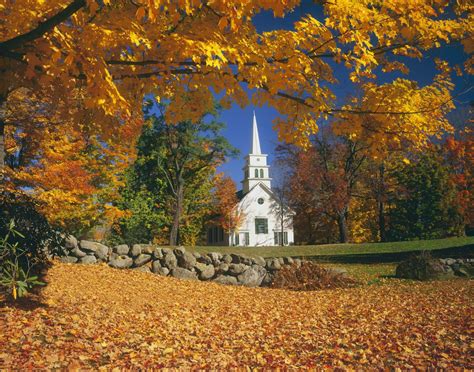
pixel 229 216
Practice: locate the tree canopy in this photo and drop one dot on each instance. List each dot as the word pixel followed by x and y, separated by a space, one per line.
pixel 108 54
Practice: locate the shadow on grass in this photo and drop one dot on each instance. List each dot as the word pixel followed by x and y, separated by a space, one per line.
pixel 465 251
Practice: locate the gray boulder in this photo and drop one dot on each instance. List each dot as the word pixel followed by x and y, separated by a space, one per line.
pixel 99 250
pixel 185 259
pixel 147 248
pixel 169 259
pixel 281 260
pixel 205 272
pixel 225 279
pixel 227 258
pixel 144 269
pixel 180 273
pixel 179 250
pixel 88 260
pixel 273 264
pixel 158 269
pixel 246 260
pixel 71 243
pixel 288 260
pixel 136 250
pixel 222 268
pixel 197 255
pixel 253 276
pixel 69 259
pixel 215 258
pixel 121 262
pixel 236 269
pixel 76 252
pixel 205 259
pixel 142 259
pixel 423 267
pixel 157 253
pixel 260 261
pixel 267 280
pixel 121 249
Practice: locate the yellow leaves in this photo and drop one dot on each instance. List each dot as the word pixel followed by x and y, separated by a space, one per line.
pixel 165 322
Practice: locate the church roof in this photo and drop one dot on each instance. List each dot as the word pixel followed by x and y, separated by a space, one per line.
pixel 255 139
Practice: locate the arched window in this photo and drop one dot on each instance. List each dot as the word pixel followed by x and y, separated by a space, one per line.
pixel 261 173
pixel 256 173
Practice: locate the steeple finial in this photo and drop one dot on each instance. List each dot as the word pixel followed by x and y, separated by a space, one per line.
pixel 255 140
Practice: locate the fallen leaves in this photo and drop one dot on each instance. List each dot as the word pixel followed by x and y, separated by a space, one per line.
pixel 96 317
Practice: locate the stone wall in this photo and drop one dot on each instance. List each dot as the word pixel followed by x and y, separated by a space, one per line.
pixel 217 267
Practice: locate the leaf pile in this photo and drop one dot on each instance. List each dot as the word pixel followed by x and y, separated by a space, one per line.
pixel 310 277
pixel 97 317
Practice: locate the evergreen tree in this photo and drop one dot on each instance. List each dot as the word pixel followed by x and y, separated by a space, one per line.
pixel 425 205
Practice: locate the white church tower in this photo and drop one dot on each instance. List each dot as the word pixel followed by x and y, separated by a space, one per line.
pixel 256 169
pixel 265 222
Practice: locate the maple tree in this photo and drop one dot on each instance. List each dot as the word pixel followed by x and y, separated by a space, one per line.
pixel 459 154
pixel 109 54
pixel 230 216
pixel 72 172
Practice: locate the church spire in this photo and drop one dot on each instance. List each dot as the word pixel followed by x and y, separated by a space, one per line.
pixel 255 140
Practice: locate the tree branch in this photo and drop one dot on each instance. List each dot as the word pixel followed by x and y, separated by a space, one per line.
pixel 42 28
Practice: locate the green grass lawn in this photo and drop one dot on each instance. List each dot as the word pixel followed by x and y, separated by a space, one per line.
pixel 368 263
pixel 331 250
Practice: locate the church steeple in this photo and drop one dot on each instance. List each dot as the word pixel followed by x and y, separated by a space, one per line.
pixel 255 140
pixel 256 169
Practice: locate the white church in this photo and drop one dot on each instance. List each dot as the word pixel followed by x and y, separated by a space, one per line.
pixel 265 221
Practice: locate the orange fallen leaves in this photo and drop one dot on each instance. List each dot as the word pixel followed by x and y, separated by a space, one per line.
pixel 96 317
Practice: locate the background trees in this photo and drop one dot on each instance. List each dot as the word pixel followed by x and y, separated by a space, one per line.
pixel 425 205
pixel 227 214
pixel 169 185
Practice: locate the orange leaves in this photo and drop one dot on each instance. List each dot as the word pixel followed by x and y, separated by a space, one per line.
pixel 96 317
pixel 225 193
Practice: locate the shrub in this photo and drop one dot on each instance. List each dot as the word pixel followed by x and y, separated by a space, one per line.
pixel 15 265
pixel 26 242
pixel 422 267
pixel 309 277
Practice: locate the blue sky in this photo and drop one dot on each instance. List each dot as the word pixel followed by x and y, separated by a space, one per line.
pixel 239 120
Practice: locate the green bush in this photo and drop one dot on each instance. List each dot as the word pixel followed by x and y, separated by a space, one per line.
pixel 16 265
pixel 27 241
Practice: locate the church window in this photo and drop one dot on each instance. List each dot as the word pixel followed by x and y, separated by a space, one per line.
pixel 256 173
pixel 261 173
pixel 261 226
pixel 277 237
pixel 247 238
pixel 209 235
pixel 260 200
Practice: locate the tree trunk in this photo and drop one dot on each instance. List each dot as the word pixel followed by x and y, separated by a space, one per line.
pixel 2 135
pixel 282 223
pixel 174 233
pixel 342 224
pixel 381 204
pixel 2 144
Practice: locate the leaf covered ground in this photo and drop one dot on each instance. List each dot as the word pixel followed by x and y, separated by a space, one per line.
pixel 95 316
